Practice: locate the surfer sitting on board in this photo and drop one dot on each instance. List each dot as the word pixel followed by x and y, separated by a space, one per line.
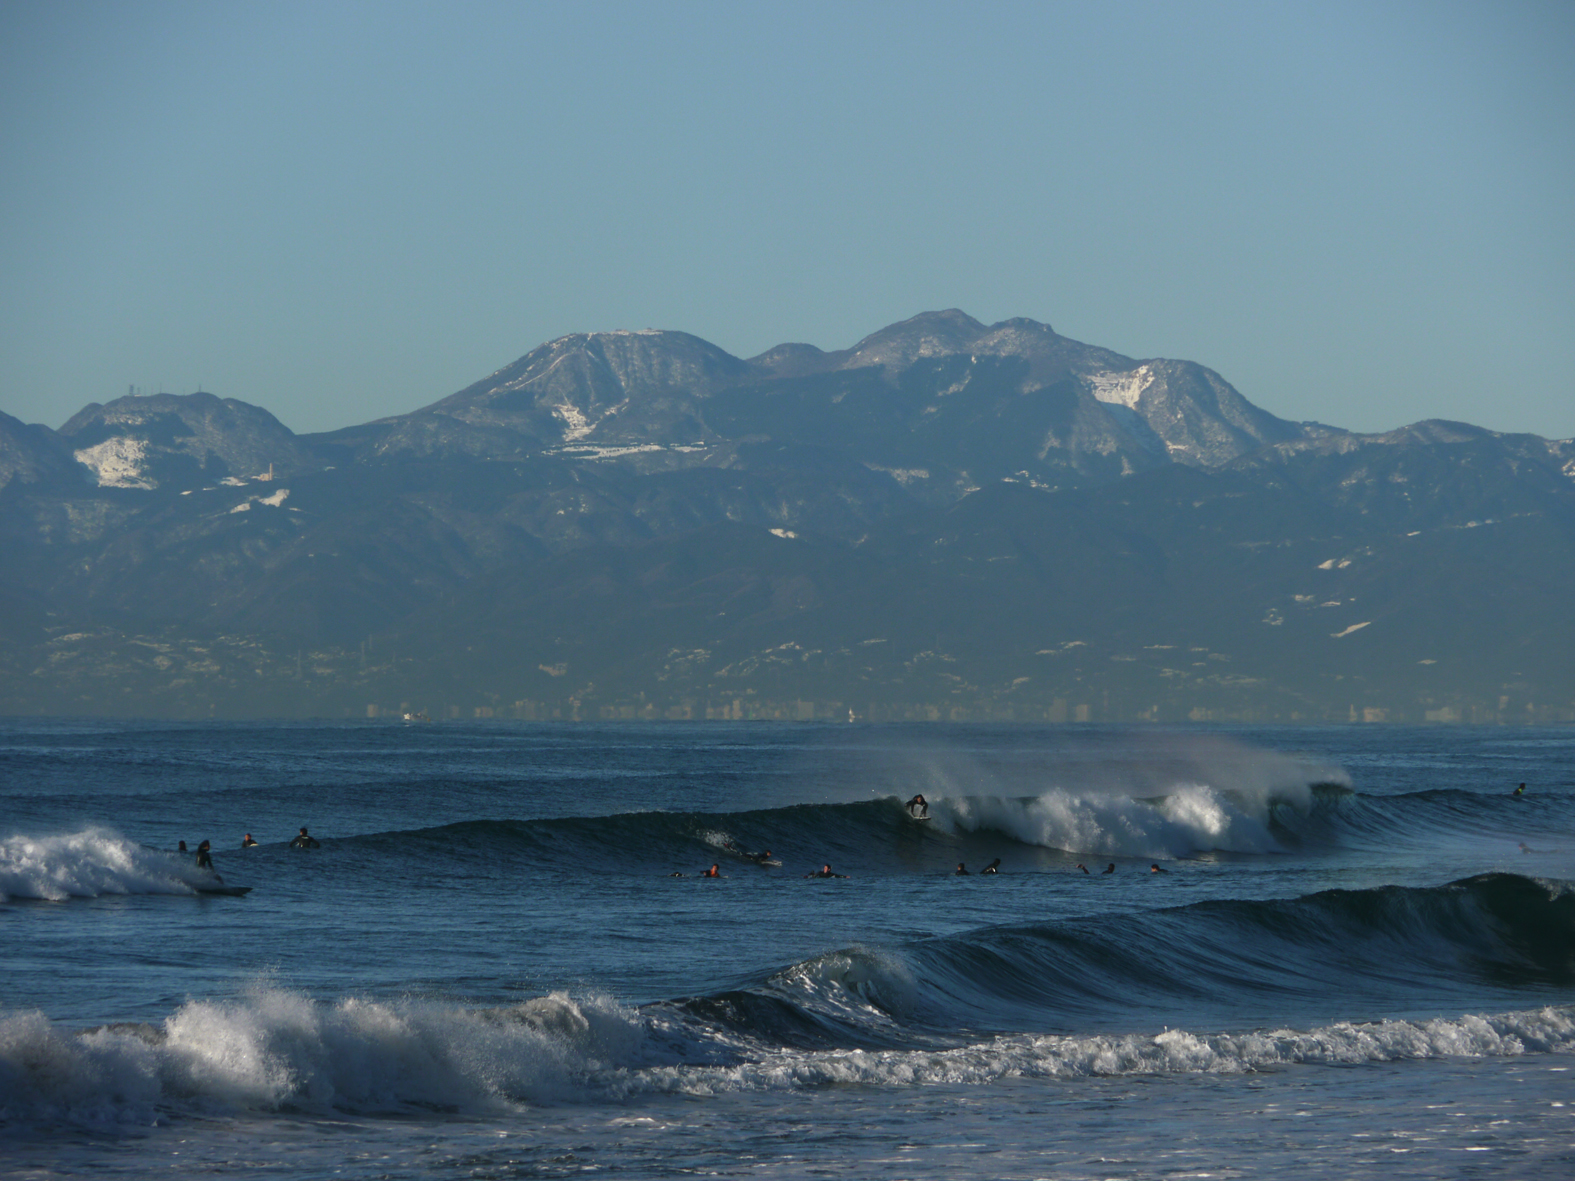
pixel 1111 868
pixel 248 843
pixel 993 867
pixel 304 840
pixel 961 871
pixel 918 808
pixel 825 872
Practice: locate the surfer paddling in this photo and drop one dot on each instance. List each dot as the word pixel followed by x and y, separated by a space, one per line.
pixel 1519 791
pixel 1111 868
pixel 713 872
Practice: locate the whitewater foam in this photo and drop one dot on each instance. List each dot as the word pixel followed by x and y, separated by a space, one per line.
pixel 1192 818
pixel 1160 796
pixel 1547 1030
pixel 89 864
pixel 276 1050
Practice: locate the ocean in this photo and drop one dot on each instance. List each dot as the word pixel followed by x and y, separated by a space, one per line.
pixel 1341 952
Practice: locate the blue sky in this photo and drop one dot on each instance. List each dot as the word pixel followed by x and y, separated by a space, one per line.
pixel 1358 213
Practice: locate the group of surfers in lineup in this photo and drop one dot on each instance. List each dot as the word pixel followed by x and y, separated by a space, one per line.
pixel 961 871
pixel 918 807
pixel 302 840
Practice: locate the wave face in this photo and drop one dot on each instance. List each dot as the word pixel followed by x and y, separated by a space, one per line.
pixel 1051 1000
pixel 1391 947
pixel 1336 816
pixel 90 864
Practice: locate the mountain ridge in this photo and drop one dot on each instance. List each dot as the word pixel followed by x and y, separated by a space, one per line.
pixel 983 486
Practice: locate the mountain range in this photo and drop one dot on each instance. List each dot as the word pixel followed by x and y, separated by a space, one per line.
pixel 949 520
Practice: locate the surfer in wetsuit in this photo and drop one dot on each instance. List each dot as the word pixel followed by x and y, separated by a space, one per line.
pixel 205 855
pixel 759 858
pixel 825 872
pixel 304 840
pixel 993 867
pixel 1519 791
pixel 248 843
pixel 961 871
pixel 918 808
pixel 1081 866
pixel 1156 869
pixel 1111 868
pixel 713 872
pixel 180 847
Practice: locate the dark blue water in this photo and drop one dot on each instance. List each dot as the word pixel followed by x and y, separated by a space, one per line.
pixel 501 959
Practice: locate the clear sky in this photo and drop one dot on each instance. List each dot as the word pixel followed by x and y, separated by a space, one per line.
pixel 1360 213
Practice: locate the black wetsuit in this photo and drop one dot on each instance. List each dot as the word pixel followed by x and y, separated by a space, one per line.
pixel 305 842
pixel 204 859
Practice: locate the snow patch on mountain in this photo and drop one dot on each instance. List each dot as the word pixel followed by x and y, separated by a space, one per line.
pixel 575 424
pixel 118 463
pixel 1121 389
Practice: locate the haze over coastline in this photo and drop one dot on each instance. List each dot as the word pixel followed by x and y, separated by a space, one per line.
pixel 343 212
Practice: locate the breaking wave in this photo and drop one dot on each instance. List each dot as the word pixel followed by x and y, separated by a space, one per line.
pixel 90 864
pixel 280 1051
pixel 1051 1000
pixel 880 837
